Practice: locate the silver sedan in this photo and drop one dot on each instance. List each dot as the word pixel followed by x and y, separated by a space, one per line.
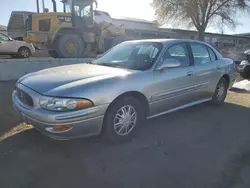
pixel 114 94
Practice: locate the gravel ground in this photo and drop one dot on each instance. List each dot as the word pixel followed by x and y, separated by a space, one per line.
pixel 199 147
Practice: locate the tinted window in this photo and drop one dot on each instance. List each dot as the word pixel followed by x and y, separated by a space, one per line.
pixel 4 37
pixel 130 55
pixel 150 50
pixel 200 53
pixel 178 52
pixel 212 54
pixel 44 25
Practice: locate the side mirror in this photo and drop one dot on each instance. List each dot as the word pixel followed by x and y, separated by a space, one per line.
pixel 169 64
pixel 99 55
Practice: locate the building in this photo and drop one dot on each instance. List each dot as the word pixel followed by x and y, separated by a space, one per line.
pixel 139 29
pixel 16 25
pixel 3 29
pixel 214 39
pixel 244 34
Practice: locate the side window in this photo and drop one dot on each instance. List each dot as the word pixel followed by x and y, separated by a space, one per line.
pixel 200 54
pixel 87 11
pixel 4 37
pixel 178 52
pixel 44 25
pixel 149 50
pixel 212 54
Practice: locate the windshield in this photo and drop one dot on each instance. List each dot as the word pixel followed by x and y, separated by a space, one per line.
pixel 131 55
pixel 80 8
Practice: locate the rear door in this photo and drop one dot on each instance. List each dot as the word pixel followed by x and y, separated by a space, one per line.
pixel 206 69
pixel 173 87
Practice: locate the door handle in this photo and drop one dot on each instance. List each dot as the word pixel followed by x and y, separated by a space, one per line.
pixel 218 67
pixel 190 73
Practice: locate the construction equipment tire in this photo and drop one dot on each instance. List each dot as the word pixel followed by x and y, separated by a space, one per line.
pixel 70 46
pixel 53 53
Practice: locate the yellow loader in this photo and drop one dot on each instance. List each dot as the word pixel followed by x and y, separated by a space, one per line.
pixel 72 33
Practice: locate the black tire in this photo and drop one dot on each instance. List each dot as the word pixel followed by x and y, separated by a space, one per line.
pixel 219 98
pixel 24 52
pixel 14 56
pixel 61 46
pixel 110 120
pixel 246 73
pixel 53 53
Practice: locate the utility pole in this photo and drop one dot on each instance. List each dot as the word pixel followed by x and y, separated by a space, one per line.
pixel 37 6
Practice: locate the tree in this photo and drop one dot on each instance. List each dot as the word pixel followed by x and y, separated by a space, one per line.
pixel 199 13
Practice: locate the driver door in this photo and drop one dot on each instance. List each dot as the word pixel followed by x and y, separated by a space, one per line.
pixel 6 45
pixel 173 87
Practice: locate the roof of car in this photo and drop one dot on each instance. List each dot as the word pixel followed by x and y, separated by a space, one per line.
pixel 167 40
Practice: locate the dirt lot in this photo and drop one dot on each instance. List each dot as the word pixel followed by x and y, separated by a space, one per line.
pixel 199 147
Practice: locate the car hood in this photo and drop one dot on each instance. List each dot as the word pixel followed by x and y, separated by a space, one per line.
pixel 78 74
pixel 20 42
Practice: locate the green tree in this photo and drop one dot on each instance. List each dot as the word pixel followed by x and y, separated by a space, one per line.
pixel 199 13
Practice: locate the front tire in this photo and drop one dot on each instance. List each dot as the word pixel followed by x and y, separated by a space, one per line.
pixel 24 52
pixel 123 120
pixel 220 92
pixel 70 46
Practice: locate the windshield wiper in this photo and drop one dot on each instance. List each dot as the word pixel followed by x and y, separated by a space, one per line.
pixel 111 65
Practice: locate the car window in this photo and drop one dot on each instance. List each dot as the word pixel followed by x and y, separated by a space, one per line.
pixel 130 55
pixel 212 54
pixel 4 37
pixel 149 50
pixel 200 54
pixel 178 52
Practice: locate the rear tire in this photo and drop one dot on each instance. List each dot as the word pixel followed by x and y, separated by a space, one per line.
pixel 220 92
pixel 123 119
pixel 24 52
pixel 70 46
pixel 53 53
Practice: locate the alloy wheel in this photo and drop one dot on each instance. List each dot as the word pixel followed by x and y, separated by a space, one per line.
pixel 125 120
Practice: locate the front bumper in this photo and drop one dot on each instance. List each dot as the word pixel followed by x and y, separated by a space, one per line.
pixel 87 122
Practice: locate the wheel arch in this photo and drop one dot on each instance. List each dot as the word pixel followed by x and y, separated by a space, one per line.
pixel 227 78
pixel 24 47
pixel 135 94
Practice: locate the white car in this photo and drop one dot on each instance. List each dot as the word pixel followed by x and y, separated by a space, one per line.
pixel 15 48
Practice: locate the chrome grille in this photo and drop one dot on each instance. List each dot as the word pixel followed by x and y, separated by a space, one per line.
pixel 25 98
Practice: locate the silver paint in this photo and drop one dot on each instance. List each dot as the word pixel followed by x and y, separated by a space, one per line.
pixel 165 91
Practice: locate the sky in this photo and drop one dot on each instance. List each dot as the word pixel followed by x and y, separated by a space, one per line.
pixel 117 8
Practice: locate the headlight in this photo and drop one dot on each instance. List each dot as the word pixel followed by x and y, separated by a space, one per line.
pixel 64 104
